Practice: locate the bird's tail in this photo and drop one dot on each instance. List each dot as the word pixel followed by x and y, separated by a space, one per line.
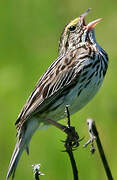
pixel 14 159
pixel 21 145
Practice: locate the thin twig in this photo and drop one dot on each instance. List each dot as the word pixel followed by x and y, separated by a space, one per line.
pixel 68 116
pixel 73 164
pixel 36 170
pixel 95 135
pixel 71 143
pixel 37 176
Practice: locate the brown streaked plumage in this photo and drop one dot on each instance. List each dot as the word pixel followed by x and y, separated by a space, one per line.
pixel 73 79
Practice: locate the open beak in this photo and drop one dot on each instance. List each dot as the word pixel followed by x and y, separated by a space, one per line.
pixel 92 24
pixel 85 13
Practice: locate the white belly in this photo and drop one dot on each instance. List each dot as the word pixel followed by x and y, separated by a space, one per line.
pixel 85 96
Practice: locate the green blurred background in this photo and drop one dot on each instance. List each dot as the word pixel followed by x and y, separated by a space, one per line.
pixel 29 34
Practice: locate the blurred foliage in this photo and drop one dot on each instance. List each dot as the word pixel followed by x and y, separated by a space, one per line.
pixel 29 34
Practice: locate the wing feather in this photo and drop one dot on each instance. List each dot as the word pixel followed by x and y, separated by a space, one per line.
pixel 51 86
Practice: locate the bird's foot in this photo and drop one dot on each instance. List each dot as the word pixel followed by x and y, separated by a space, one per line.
pixel 72 141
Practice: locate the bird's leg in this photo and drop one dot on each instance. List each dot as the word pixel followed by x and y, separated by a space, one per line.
pixel 72 140
pixel 91 128
pixel 56 124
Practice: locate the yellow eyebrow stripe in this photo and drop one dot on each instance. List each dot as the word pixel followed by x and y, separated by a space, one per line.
pixel 72 23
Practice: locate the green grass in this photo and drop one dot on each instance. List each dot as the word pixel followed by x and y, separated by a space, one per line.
pixel 29 34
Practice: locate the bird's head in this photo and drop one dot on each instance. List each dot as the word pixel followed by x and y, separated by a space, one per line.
pixel 76 32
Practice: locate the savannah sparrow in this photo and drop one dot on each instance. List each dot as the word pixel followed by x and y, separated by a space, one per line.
pixel 72 79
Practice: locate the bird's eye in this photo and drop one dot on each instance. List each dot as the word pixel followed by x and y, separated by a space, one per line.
pixel 72 28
